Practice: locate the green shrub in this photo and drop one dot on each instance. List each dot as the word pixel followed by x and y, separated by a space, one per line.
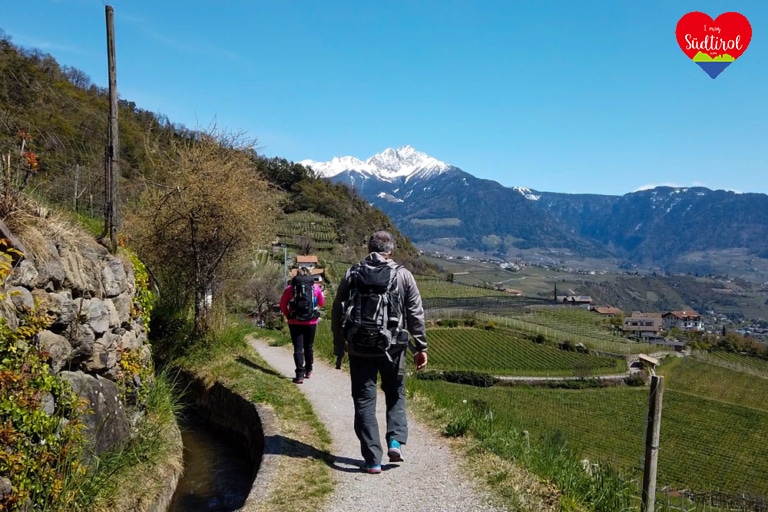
pixel 429 375
pixel 39 450
pixel 636 379
pixel 457 427
pixel 482 380
pixel 576 384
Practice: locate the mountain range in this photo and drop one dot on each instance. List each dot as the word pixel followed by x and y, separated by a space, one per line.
pixel 668 228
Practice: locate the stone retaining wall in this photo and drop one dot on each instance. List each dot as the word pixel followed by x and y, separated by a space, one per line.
pixel 89 295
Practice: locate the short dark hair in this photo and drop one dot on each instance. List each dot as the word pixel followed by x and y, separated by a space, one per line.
pixel 303 271
pixel 381 242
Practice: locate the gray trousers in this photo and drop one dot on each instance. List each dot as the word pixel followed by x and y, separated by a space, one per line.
pixel 364 372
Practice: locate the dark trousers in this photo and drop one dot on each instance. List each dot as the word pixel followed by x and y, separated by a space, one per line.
pixel 303 338
pixel 364 372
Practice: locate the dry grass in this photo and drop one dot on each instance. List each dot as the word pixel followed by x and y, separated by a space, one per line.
pixel 510 486
pixel 35 226
pixel 514 487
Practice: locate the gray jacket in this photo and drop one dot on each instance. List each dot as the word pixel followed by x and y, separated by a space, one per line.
pixel 413 311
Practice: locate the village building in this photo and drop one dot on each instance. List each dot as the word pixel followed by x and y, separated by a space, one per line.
pixel 683 320
pixel 575 300
pixel 309 261
pixel 646 326
pixel 608 311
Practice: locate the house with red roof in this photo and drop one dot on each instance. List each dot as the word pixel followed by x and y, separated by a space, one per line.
pixel 688 320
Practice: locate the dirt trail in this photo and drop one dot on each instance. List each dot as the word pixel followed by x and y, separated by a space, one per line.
pixel 429 480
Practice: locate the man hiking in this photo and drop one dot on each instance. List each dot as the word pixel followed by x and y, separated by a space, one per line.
pixel 377 316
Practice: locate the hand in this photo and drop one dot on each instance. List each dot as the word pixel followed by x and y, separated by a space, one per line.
pixel 420 360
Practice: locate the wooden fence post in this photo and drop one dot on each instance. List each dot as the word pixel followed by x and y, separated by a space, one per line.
pixel 652 444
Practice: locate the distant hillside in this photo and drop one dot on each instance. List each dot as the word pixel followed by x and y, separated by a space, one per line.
pixel 353 218
pixel 666 228
pixel 664 223
pixel 737 300
pixel 630 291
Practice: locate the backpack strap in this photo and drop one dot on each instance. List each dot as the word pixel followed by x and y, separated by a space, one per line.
pixel 347 305
pixel 394 292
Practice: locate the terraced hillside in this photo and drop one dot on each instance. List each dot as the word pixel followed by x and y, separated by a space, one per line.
pixel 307 229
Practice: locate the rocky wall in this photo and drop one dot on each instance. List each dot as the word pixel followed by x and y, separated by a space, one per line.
pixel 89 295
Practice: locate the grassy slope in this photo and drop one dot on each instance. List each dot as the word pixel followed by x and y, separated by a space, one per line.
pixel 629 292
pixel 705 444
pixel 526 315
pixel 717 383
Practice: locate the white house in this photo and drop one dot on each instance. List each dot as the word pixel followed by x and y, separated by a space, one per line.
pixel 683 320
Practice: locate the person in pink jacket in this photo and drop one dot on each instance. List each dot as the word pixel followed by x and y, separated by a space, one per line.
pixel 302 331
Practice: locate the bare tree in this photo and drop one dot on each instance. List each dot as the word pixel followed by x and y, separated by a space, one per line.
pixel 211 207
pixel 262 289
pixel 306 245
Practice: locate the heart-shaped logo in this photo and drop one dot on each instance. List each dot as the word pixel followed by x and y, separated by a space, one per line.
pixel 713 44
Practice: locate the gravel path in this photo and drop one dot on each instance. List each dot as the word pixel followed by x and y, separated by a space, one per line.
pixel 429 480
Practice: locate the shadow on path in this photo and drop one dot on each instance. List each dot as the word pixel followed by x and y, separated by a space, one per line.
pixel 250 364
pixel 281 445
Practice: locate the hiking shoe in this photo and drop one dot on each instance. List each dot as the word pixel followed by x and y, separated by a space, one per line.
pixel 297 380
pixel 371 469
pixel 394 453
pixel 308 375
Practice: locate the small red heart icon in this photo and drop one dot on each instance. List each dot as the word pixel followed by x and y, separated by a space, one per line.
pixel 713 44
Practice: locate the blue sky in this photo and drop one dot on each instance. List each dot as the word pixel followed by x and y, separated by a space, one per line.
pixel 576 97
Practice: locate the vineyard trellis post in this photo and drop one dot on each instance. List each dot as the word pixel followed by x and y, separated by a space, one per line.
pixel 652 443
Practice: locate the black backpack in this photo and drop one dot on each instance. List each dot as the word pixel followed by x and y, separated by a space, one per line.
pixel 371 320
pixel 302 305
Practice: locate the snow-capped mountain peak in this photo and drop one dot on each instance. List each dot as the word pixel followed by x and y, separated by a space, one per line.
pixel 338 165
pixel 389 164
pixel 527 193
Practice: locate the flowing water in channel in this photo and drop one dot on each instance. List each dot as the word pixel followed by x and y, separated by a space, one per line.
pixel 217 471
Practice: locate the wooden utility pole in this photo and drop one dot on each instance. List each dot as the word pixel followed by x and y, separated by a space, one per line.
pixel 285 266
pixel 652 444
pixel 112 170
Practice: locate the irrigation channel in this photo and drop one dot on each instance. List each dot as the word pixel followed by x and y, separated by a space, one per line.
pixel 217 471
